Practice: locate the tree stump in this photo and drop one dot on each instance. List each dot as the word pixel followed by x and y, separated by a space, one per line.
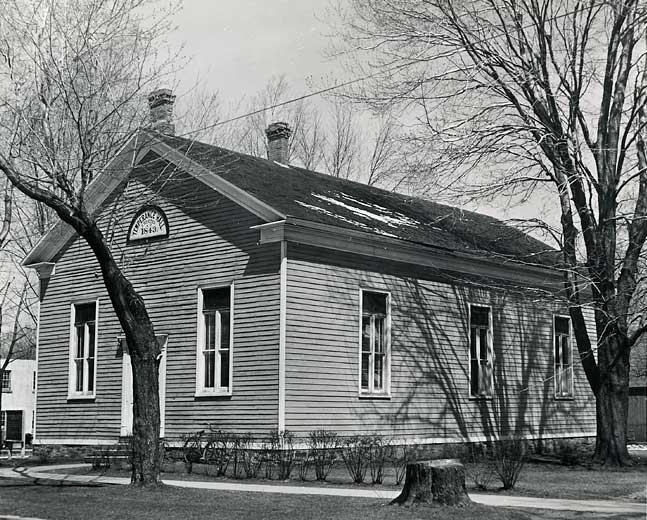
pixel 434 481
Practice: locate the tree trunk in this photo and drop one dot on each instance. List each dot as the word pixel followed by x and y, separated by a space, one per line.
pixel 146 450
pixel 144 351
pixel 434 481
pixel 612 401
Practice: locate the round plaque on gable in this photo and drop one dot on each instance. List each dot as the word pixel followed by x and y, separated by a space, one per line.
pixel 149 222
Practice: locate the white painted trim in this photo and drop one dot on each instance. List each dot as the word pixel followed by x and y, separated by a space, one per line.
pixel 76 442
pixel 399 250
pixel 200 391
pixel 126 417
pixel 571 342
pixel 282 333
pixel 38 305
pixel 405 441
pixel 490 347
pixel 386 394
pixel 72 394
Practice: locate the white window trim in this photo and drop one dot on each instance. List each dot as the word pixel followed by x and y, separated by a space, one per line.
pixel 200 390
pixel 71 390
pixel 571 396
pixel 386 393
pixel 490 336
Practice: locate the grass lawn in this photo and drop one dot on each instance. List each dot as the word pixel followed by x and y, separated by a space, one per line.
pixel 578 482
pixel 78 502
pixel 536 480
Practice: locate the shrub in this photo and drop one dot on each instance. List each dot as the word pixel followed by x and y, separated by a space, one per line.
pixel 282 453
pixel 355 451
pixel 401 457
pixel 480 469
pixel 303 463
pixel 508 460
pixel 323 445
pixel 219 450
pixel 380 453
pixel 193 447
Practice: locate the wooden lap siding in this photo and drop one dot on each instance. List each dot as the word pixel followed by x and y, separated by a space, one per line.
pixel 429 374
pixel 210 244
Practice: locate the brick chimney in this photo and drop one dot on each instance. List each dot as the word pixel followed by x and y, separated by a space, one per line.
pixel 160 104
pixel 278 138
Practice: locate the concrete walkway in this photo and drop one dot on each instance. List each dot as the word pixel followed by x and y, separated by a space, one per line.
pixel 598 506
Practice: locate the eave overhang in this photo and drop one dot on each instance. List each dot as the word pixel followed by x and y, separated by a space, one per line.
pixel 370 244
pixel 117 171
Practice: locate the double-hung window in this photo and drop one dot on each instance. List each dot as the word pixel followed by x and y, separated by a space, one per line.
pixel 563 357
pixel 215 336
pixel 375 343
pixel 83 349
pixel 6 381
pixel 481 352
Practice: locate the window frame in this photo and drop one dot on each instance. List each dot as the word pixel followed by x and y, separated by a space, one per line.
pixel 571 395
pixel 490 338
pixel 200 389
pixel 72 393
pixel 370 393
pixel 6 375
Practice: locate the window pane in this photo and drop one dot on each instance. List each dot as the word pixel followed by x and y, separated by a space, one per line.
pixel 366 334
pixel 480 316
pixel 224 368
pixel 474 377
pixel 209 331
pixel 558 351
pixel 378 378
pixel 562 325
pixel 91 339
pixel 80 341
pixel 485 379
pixel 566 351
pixel 84 313
pixel 365 364
pixel 78 363
pixel 373 303
pixel 216 298
pixel 210 369
pixel 567 380
pixel 90 375
pixel 224 330
pixel 473 343
pixel 484 344
pixel 380 338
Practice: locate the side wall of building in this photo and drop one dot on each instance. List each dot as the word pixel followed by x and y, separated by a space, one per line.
pixel 209 244
pixel 20 397
pixel 430 355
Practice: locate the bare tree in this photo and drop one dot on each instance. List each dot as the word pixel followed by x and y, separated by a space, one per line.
pixel 73 75
pixel 340 157
pixel 527 99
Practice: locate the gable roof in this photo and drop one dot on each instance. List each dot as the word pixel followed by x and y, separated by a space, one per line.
pixel 275 192
pixel 315 197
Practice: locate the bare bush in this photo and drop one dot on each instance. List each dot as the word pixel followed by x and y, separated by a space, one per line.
pixel 508 461
pixel 323 447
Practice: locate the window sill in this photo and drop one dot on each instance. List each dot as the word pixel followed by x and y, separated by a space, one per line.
pixel 378 396
pixel 564 398
pixel 213 395
pixel 5 391
pixel 81 397
pixel 481 397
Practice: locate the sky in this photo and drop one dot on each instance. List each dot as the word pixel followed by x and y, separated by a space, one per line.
pixel 236 47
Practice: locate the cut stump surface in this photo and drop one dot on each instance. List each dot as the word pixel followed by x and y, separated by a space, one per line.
pixel 434 481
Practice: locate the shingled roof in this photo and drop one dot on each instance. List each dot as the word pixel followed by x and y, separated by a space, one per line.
pixel 308 195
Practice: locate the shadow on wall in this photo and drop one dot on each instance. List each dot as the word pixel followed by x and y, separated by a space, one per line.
pixel 430 348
